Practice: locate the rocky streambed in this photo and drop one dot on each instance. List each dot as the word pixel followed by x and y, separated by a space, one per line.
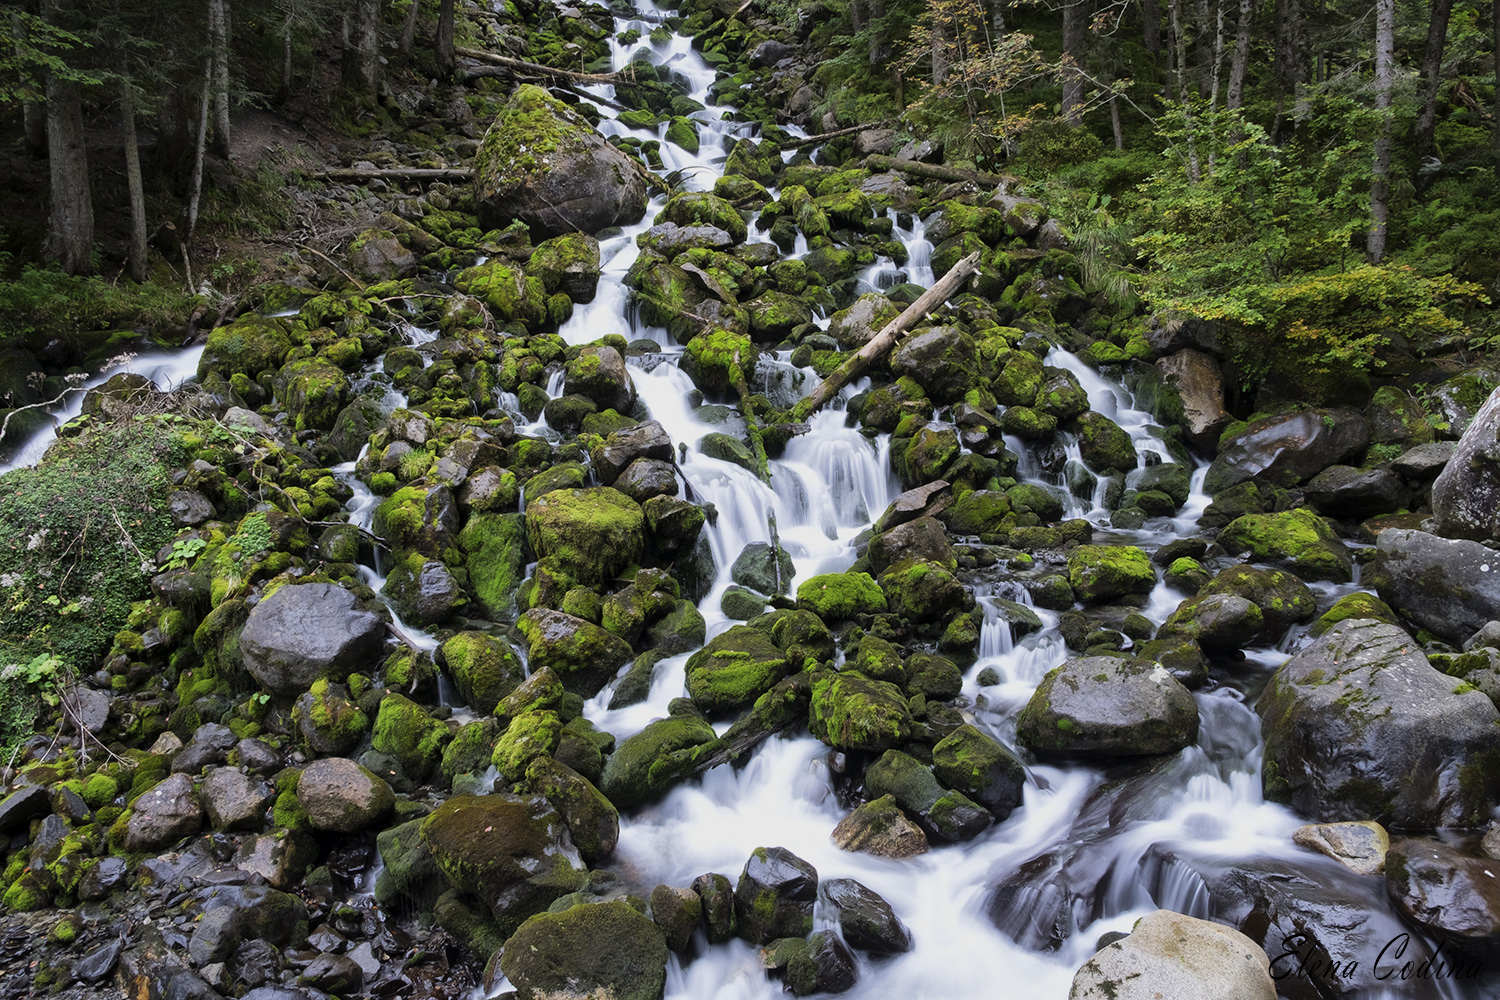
pixel 504 624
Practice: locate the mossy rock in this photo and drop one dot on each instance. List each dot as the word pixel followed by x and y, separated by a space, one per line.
pixel 483 667
pixel 1283 599
pixel 877 659
pixel 513 852
pixel 593 822
pixel 852 712
pixel 1108 706
pixel 977 512
pixel 507 291
pixel 837 596
pixel 1356 605
pixel 1020 380
pixel 592 534
pixel 313 393
pixel 921 591
pixel 734 669
pixel 1106 448
pixel 248 346
pixel 495 557
pixel 1296 539
pixel 568 264
pixel 1100 573
pixel 584 655
pixel 984 769
pixel 646 766
pixel 530 735
pixel 404 730
pixel 595 950
pixel 699 208
pixel 718 360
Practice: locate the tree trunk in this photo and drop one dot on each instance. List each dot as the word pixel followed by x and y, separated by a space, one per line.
pixel 1203 46
pixel 409 29
pixel 447 63
pixel 33 113
pixel 940 39
pixel 883 341
pixel 1495 44
pixel 1180 44
pixel 218 32
pixel 1075 36
pixel 70 233
pixel 1385 60
pixel 1291 66
pixel 1213 91
pixel 285 94
pixel 1151 27
pixel 133 181
pixel 1234 98
pixel 997 19
pixel 196 190
pixel 1432 65
pixel 362 49
pixel 857 16
pixel 880 46
pixel 1114 121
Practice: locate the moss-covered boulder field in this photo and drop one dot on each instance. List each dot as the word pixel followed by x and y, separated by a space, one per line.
pixel 497 607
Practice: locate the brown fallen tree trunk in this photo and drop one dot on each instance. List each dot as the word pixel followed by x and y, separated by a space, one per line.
pixel 522 65
pixel 933 170
pixel 886 338
pixel 393 174
pixel 813 140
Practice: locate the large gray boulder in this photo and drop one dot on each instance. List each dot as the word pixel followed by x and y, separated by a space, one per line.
pixel 1451 587
pixel 1452 895
pixel 305 632
pixel 1290 448
pixel 593 950
pixel 542 164
pixel 1172 955
pixel 1199 383
pixel 1360 726
pixel 1466 496
pixel 168 812
pixel 1109 706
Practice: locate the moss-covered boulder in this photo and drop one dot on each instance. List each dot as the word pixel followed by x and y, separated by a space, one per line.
pixel 1297 539
pixel 329 722
pixel 590 950
pixel 774 896
pixel 929 453
pixel 495 557
pixel 837 596
pixel 1019 380
pixel 419 519
pixel 543 164
pixel 568 264
pixel 1360 726
pixel 248 346
pixel 700 208
pixel 506 290
pixel 854 326
pixel 734 669
pixel 591 534
pixel 943 814
pixel 1356 605
pixel 584 655
pixel 313 392
pixel 852 712
pixel 1218 622
pixel 1283 599
pixel 718 360
pixel 530 736
pixel 977 512
pixel 1100 573
pixel 764 568
pixel 484 668
pixel 984 769
pixel 599 375
pixel 774 315
pixel 942 360
pixel 924 592
pixel 405 731
pixel 1105 446
pixel 1108 706
pixel 423 591
pixel 646 766
pixel 511 851
pixel 593 822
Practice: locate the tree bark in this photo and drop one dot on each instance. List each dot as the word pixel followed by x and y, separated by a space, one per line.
pixel 940 40
pixel 1075 36
pixel 196 189
pixel 409 29
pixel 1203 44
pixel 1151 27
pixel 1180 44
pixel 1234 98
pixel 1385 60
pixel 285 94
pixel 447 62
pixel 1213 90
pixel 362 55
pixel 1432 66
pixel 33 113
pixel 1291 68
pixel 133 181
pixel 997 20
pixel 218 31
pixel 70 233
pixel 1495 44
pixel 1114 121
pixel 883 341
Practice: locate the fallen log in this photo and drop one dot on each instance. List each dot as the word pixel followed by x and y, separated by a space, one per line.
pixel 935 171
pixel 393 174
pixel 883 341
pixel 813 140
pixel 521 65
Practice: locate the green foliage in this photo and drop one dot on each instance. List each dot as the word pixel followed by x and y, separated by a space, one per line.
pixel 39 303
pixel 184 551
